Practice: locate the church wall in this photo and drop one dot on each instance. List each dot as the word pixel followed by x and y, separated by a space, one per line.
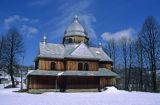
pixel 49 82
pixel 45 64
pixel 73 64
pixel 82 82
pixel 76 39
pixel 106 65
pixel 80 39
pixel 93 66
pixel 106 81
pixel 41 82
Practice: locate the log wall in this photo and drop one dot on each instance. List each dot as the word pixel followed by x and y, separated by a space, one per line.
pixel 73 65
pixel 45 64
pixel 104 81
pixel 82 82
pixel 41 82
pixel 106 65
pixel 49 82
pixel 76 39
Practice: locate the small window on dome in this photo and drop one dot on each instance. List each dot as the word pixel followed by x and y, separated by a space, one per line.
pixel 70 40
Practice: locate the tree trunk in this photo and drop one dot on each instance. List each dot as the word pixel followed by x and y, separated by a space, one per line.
pixel 11 72
pixel 141 69
pixel 130 64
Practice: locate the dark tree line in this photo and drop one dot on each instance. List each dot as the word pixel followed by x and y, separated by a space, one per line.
pixel 11 49
pixel 137 60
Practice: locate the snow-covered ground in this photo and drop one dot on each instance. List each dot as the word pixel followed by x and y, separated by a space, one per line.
pixel 112 96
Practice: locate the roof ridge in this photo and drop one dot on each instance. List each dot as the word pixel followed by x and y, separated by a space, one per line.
pixel 85 46
pixel 74 49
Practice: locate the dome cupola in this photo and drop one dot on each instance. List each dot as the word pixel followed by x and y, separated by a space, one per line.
pixel 75 28
pixel 75 33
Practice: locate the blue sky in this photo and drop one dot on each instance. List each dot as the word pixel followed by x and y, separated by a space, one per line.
pixel 101 18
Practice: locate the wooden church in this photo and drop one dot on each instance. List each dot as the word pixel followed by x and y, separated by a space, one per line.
pixel 72 64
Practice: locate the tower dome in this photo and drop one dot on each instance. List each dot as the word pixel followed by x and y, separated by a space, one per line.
pixel 75 33
pixel 75 28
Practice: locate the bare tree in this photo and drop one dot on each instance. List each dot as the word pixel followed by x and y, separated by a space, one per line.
pixel 131 43
pixel 150 36
pixel 1 46
pixel 14 47
pixel 1 51
pixel 140 58
pixel 124 47
pixel 111 50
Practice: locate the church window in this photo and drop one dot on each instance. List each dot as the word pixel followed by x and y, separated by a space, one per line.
pixel 70 40
pixel 86 67
pixel 80 66
pixel 53 65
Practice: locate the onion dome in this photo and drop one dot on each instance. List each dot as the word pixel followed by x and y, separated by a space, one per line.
pixel 75 29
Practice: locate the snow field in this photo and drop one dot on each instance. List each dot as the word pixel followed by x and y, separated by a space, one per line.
pixel 111 96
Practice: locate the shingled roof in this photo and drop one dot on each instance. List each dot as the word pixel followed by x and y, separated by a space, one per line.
pixel 76 51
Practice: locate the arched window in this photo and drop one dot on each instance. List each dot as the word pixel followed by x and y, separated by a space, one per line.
pixel 70 40
pixel 86 67
pixel 53 66
pixel 80 66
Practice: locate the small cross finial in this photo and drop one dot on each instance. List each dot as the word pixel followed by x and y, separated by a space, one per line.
pixel 44 41
pixel 100 45
pixel 75 18
pixel 44 36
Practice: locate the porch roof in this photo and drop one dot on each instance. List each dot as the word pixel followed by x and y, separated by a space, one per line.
pixel 102 72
